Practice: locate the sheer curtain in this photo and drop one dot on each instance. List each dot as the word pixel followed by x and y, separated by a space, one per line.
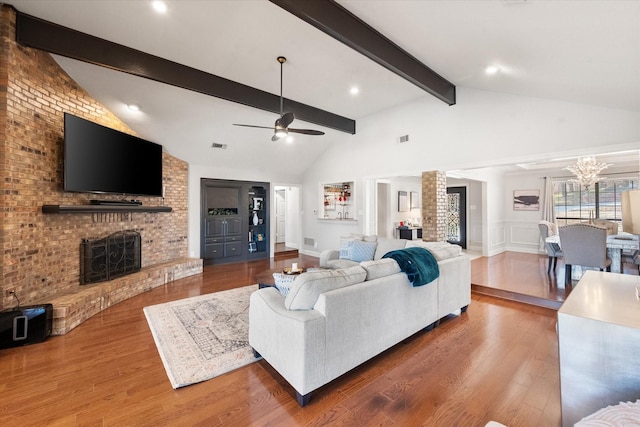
pixel 548 214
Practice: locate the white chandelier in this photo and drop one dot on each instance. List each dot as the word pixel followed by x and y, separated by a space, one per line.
pixel 586 171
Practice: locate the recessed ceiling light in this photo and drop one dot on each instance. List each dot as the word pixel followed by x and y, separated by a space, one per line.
pixel 159 6
pixel 133 107
pixel 354 90
pixel 492 69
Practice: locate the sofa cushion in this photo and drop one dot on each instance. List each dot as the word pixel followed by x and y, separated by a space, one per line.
pixel 440 250
pixel 387 245
pixel 308 286
pixel 337 264
pixel 380 268
pixel 366 238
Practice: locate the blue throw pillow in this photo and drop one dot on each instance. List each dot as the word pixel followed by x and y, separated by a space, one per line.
pixel 362 251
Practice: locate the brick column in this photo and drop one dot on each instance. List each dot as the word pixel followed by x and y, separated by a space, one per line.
pixel 434 206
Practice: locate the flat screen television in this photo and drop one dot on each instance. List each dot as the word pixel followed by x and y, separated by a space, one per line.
pixel 98 159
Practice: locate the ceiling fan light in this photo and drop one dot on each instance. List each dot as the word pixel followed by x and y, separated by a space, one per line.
pixel 281 133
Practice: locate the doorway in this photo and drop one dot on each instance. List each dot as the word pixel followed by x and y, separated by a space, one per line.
pixel 456 230
pixel 281 214
pixel 286 227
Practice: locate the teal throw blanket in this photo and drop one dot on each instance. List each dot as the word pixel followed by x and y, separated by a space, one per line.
pixel 419 264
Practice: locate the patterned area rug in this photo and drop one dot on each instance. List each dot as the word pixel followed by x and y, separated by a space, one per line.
pixel 202 337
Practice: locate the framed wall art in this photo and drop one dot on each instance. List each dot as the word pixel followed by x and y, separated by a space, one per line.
pixel 415 200
pixel 403 201
pixel 526 200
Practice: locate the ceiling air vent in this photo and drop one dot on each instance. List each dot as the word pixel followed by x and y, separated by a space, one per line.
pixel 221 146
pixel 403 138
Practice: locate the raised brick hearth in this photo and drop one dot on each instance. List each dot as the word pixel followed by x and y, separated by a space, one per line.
pixel 72 308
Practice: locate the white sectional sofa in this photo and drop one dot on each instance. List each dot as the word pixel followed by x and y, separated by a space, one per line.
pixel 334 320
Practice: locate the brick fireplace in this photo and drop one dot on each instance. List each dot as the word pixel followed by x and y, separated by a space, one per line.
pixel 110 257
pixel 40 259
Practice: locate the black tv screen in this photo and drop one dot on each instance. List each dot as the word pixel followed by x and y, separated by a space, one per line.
pixel 98 159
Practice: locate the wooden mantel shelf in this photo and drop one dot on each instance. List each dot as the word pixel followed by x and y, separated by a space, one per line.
pixel 58 209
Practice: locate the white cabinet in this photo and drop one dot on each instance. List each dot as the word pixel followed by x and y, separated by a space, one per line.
pixel 599 344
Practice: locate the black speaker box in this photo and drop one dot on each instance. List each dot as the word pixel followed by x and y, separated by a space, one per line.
pixel 25 325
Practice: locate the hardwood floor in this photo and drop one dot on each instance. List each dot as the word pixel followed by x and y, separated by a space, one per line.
pixel 498 361
pixel 520 277
pixel 523 277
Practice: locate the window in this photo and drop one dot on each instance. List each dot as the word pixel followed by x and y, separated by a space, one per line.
pixel 572 203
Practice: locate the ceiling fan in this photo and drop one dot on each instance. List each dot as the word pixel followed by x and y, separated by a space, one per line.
pixel 281 127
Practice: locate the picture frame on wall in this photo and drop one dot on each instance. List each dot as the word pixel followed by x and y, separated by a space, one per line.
pixel 415 200
pixel 526 200
pixel 403 201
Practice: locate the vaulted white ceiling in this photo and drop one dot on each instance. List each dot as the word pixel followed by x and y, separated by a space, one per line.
pixel 577 51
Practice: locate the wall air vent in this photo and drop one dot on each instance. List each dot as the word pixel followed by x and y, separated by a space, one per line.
pixel 221 146
pixel 403 138
pixel 309 241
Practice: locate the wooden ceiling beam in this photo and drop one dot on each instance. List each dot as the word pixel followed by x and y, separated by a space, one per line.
pixel 53 38
pixel 336 21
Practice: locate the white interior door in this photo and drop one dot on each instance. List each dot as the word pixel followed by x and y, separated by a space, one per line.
pixel 281 215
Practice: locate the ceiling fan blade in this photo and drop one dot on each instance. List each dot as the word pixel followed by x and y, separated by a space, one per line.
pixel 281 125
pixel 253 126
pixel 306 131
pixel 286 119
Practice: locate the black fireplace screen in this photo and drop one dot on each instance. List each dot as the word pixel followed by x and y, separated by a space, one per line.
pixel 113 256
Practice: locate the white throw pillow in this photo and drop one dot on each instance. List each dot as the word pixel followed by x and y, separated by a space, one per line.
pixel 386 245
pixel 283 282
pixel 346 250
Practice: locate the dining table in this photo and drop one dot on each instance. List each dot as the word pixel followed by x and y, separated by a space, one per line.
pixel 616 244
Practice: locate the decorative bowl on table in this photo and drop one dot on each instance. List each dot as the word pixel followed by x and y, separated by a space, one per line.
pixel 289 270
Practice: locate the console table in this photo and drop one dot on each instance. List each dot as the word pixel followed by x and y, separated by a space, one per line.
pixel 598 342
pixel 410 233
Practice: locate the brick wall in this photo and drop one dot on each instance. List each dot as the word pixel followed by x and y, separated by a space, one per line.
pixel 40 253
pixel 434 206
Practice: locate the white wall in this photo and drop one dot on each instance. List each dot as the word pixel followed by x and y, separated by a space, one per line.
pixel 407 184
pixel 483 129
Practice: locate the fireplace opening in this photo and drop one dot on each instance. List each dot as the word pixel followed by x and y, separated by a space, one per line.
pixel 113 256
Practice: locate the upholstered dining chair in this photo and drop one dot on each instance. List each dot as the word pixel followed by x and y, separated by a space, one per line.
pixel 631 258
pixel 612 227
pixel 584 245
pixel 553 249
